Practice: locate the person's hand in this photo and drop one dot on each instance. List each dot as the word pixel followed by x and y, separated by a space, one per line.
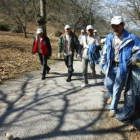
pixel 101 71
pixel 59 55
pixel 132 61
pixel 87 47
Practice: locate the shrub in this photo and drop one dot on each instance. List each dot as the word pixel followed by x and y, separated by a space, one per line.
pixel 57 33
pixel 4 26
pixel 16 30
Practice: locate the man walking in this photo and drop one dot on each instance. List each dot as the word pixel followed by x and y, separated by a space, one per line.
pixel 88 41
pixel 68 43
pixel 42 46
pixel 121 48
pixel 80 46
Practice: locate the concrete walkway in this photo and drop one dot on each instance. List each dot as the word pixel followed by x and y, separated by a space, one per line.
pixel 32 109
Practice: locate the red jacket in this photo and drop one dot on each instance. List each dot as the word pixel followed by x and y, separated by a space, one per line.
pixel 44 46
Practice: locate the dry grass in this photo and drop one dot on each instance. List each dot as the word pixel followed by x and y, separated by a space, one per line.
pixel 15 53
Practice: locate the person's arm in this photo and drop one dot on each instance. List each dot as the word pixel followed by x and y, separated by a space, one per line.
pixel 60 45
pixel 136 48
pixel 33 46
pixel 103 56
pixel 49 46
pixel 135 51
pixel 76 43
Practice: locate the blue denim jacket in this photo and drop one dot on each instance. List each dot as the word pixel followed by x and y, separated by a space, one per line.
pixel 92 53
pixel 129 46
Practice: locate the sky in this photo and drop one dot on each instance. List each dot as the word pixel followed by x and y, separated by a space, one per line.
pixel 111 1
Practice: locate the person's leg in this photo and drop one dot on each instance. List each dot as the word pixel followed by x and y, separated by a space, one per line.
pixel 84 71
pixel 44 57
pixel 40 58
pixel 47 67
pixel 79 51
pixel 117 89
pixel 70 67
pixel 109 82
pixel 66 60
pixel 93 72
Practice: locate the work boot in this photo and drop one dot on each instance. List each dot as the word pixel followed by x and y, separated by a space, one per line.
pixel 109 101
pixel 48 70
pixel 69 78
pixel 111 113
pixel 43 77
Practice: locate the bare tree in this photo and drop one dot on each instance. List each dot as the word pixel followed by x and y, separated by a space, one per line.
pixel 42 16
pixel 70 12
pixel 131 8
pixel 19 11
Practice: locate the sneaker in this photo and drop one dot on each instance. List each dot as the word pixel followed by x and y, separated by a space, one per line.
pixel 109 101
pixel 78 56
pixel 84 85
pixel 94 81
pixel 111 113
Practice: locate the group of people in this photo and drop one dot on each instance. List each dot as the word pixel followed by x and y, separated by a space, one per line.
pixel 84 46
pixel 120 51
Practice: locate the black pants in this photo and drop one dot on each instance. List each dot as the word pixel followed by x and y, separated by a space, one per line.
pixel 80 49
pixel 69 63
pixel 43 60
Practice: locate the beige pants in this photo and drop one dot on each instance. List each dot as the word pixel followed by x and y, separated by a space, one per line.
pixel 85 63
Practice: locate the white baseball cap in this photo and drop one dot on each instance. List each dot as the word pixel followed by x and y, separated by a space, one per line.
pixel 67 27
pixel 82 31
pixel 116 20
pixel 89 27
pixel 95 31
pixel 39 31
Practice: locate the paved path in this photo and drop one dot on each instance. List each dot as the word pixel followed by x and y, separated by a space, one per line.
pixel 32 109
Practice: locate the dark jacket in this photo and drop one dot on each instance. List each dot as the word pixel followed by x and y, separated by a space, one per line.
pixel 74 42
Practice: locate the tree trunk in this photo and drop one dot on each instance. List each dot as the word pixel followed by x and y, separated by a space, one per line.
pixel 24 31
pixel 74 29
pixel 43 15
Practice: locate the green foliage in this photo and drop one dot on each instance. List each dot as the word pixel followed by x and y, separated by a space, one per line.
pixel 4 26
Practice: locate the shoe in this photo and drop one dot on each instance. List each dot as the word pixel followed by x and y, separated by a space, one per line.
pixel 84 85
pixel 68 79
pixel 94 81
pixel 109 101
pixel 43 77
pixel 78 56
pixel 48 70
pixel 111 113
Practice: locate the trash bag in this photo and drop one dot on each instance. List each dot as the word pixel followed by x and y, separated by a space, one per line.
pixel 131 109
pixel 136 123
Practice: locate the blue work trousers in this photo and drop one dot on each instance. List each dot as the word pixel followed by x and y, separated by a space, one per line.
pixel 114 85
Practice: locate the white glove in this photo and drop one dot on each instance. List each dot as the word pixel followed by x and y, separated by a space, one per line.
pixel 59 55
pixel 132 62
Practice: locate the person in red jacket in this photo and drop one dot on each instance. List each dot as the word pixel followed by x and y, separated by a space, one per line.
pixel 42 46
